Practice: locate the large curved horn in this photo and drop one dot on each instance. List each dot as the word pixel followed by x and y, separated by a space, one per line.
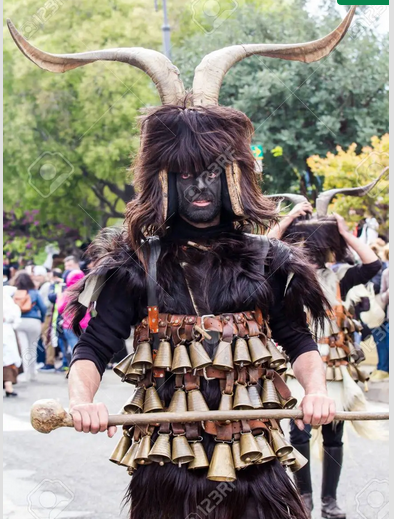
pixel 158 67
pixel 325 198
pixel 291 197
pixel 210 72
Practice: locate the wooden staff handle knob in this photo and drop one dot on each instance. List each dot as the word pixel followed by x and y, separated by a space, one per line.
pixel 47 415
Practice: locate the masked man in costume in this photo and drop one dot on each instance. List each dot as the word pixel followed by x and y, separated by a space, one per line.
pixel 205 298
pixel 327 239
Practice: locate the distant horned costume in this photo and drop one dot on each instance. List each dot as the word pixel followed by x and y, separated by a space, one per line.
pixel 319 237
pixel 207 303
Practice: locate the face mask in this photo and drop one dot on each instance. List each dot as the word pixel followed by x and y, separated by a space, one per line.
pixel 199 198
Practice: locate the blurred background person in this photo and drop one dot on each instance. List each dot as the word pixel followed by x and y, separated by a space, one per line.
pixel 49 334
pixel 370 230
pixel 62 301
pixel 41 281
pixel 70 263
pixel 33 311
pixel 381 334
pixel 11 357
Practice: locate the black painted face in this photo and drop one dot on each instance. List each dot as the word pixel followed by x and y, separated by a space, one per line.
pixel 199 197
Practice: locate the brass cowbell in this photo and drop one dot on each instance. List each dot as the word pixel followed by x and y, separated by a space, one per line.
pixel 277 358
pixel 221 467
pixel 161 451
pixel 198 356
pixel 288 459
pixel 338 374
pixel 180 363
pixel 289 403
pixel 250 451
pixel 121 367
pixel 133 375
pixel 241 398
pixel 128 459
pixel 121 448
pixel 181 451
pixel 330 376
pixel 300 461
pixel 341 353
pixel 152 400
pixel 195 401
pixel 226 402
pixel 267 454
pixel 241 353
pixel 136 401
pixel 236 450
pixel 259 353
pixel 270 395
pixel 200 458
pixel 143 451
pixel 333 354
pixel 163 359
pixel 143 357
pixel 223 359
pixel 255 397
pixel 178 402
pixel 280 445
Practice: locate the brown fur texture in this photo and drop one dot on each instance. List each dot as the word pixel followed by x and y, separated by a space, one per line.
pixel 320 240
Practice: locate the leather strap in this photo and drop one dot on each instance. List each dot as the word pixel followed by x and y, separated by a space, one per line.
pixel 191 382
pixel 253 328
pixel 176 323
pixel 228 327
pixel 193 431
pixel 281 386
pixel 154 248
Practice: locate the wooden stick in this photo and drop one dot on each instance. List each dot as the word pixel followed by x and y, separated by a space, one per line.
pixel 196 416
pixel 47 415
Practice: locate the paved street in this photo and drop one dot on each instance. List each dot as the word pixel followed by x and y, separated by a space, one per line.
pixel 67 475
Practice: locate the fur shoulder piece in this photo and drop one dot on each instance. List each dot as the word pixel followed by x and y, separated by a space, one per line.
pixel 302 285
pixel 109 252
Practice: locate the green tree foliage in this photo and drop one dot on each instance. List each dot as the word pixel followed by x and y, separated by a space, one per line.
pixel 347 168
pixel 303 109
pixel 81 126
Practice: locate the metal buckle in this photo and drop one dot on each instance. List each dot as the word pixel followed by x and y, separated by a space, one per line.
pixel 203 318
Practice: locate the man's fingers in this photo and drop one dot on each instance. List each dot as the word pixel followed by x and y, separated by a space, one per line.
pixel 112 431
pixel 331 413
pixel 316 417
pixel 85 421
pixel 300 424
pixel 325 413
pixel 307 408
pixel 103 417
pixel 94 422
pixel 77 419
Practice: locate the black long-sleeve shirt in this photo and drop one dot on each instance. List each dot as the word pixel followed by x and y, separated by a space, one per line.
pixel 359 275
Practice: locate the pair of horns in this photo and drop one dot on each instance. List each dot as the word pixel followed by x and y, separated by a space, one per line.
pixel 326 197
pixel 208 75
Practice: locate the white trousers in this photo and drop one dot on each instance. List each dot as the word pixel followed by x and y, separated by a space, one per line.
pixel 29 331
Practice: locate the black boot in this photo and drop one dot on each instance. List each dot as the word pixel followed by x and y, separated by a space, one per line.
pixel 303 479
pixel 332 465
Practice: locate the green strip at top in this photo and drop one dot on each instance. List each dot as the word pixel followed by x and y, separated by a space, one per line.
pixel 370 2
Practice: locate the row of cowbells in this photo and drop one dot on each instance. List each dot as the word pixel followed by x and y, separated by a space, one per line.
pixel 333 374
pixel 194 357
pixel 226 458
pixel 245 397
